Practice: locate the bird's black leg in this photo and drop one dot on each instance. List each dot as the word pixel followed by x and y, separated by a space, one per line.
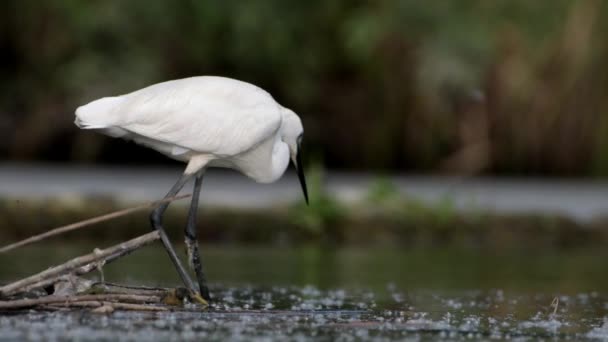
pixel 156 221
pixel 191 242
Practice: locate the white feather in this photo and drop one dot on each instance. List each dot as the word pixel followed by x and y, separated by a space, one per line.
pixel 206 122
pixel 98 113
pixel 214 115
pixel 223 118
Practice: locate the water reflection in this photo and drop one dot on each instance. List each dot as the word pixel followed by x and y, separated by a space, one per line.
pixel 444 269
pixel 344 294
pixel 249 312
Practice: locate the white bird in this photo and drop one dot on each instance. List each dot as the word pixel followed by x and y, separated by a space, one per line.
pixel 205 121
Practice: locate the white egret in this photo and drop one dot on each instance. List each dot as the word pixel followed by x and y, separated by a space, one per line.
pixel 205 121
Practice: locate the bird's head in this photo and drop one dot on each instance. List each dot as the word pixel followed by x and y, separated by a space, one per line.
pixel 292 133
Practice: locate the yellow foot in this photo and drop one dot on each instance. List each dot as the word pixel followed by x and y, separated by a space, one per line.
pixel 196 297
pixel 177 296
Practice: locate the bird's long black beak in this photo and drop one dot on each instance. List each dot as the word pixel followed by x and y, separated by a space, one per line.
pixel 300 168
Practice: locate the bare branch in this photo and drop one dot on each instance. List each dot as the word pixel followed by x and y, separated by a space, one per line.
pixel 63 300
pixel 79 265
pixel 88 222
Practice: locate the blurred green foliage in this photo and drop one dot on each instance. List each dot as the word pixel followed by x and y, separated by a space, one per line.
pixel 323 214
pixel 387 221
pixel 467 86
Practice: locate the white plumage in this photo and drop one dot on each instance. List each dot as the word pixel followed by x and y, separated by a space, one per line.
pixel 215 121
pixel 204 121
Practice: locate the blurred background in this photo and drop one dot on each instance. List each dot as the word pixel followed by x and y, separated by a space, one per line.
pixel 473 87
pixel 480 125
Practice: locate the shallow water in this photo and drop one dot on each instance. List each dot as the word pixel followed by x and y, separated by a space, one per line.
pixel 345 294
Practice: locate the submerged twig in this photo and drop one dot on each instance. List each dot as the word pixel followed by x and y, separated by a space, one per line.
pixel 136 307
pixel 555 305
pixel 88 222
pixel 105 287
pixel 79 265
pixel 64 300
pixel 99 306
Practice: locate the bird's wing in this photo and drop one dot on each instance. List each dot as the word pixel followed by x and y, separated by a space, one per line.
pixel 205 114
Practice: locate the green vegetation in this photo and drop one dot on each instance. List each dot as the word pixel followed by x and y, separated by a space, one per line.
pixel 382 218
pixel 468 86
pixel 323 212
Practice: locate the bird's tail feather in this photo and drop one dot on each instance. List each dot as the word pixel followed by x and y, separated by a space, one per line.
pixel 97 114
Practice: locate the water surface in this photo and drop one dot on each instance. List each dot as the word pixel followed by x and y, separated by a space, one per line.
pixel 345 294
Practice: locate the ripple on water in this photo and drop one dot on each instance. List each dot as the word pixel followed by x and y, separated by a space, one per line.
pixel 300 313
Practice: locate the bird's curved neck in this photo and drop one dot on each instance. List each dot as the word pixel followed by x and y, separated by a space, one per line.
pixel 280 159
pixel 266 163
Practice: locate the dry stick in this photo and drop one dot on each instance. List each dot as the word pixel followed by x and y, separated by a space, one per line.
pixel 98 305
pixel 24 303
pixel 136 307
pixel 132 289
pixel 83 304
pixel 50 275
pixel 118 306
pixel 88 222
pixel 84 269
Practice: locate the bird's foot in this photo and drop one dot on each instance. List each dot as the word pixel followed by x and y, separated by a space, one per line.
pixel 178 296
pixel 197 298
